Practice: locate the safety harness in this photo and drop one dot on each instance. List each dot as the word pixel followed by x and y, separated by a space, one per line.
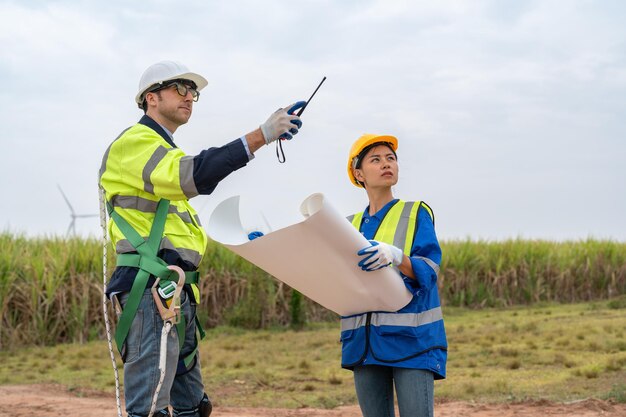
pixel 149 263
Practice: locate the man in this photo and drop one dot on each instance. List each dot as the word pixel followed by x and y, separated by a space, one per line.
pixel 148 181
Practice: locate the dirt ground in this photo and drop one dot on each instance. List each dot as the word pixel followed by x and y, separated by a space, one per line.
pixel 54 401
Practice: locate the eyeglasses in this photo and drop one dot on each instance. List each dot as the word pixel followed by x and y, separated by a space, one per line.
pixel 181 88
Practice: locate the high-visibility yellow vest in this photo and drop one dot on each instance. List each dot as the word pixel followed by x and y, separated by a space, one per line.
pixel 398 226
pixel 138 170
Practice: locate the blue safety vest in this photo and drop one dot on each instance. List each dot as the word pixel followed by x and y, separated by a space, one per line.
pixel 414 336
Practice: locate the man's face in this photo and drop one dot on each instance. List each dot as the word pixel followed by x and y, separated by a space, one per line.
pixel 379 168
pixel 171 106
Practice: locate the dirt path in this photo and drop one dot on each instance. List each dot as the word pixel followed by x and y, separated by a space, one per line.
pixel 54 401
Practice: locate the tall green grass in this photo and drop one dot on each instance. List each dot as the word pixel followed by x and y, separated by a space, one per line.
pixel 524 272
pixel 50 287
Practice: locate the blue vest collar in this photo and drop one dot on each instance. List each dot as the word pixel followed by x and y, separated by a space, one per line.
pixel 380 214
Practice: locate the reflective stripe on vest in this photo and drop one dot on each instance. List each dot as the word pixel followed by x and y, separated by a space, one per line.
pixel 393 319
pixel 124 246
pixel 149 206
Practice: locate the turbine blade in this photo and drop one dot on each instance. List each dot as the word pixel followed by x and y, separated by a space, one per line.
pixel 65 198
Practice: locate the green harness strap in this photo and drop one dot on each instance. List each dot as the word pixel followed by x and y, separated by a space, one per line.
pixel 148 263
pixel 191 277
pixel 154 268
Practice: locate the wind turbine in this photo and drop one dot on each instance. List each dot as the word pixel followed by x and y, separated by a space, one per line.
pixel 73 215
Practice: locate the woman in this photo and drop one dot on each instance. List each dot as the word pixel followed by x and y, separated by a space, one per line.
pixel 408 347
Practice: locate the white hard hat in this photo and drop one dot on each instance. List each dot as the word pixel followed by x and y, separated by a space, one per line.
pixel 165 71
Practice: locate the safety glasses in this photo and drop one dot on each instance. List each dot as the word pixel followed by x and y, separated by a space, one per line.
pixel 181 88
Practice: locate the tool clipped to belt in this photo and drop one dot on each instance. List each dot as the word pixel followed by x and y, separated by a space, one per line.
pixel 171 313
pixel 171 316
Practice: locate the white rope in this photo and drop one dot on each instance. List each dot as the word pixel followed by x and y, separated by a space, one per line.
pixel 105 244
pixel 167 326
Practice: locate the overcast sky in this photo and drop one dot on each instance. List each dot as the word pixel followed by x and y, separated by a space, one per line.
pixel 510 115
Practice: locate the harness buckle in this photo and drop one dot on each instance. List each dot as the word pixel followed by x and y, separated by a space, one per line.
pixel 167 290
pixel 171 314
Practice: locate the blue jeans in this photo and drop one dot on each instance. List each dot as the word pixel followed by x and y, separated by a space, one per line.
pixel 141 360
pixel 414 388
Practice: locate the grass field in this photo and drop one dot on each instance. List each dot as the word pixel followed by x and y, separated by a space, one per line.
pixel 546 351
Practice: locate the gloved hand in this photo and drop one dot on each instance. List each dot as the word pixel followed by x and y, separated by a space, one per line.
pixel 282 123
pixel 379 255
pixel 254 235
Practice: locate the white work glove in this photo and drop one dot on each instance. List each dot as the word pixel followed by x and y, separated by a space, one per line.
pixel 282 123
pixel 379 255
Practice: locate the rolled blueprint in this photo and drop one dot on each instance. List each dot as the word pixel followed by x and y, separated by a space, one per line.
pixel 316 257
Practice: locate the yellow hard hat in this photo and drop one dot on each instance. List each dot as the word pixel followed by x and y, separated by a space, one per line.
pixel 362 143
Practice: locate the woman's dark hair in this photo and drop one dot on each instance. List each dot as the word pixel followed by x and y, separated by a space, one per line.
pixel 359 158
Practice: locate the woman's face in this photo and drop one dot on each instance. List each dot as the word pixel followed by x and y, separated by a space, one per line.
pixel 379 168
